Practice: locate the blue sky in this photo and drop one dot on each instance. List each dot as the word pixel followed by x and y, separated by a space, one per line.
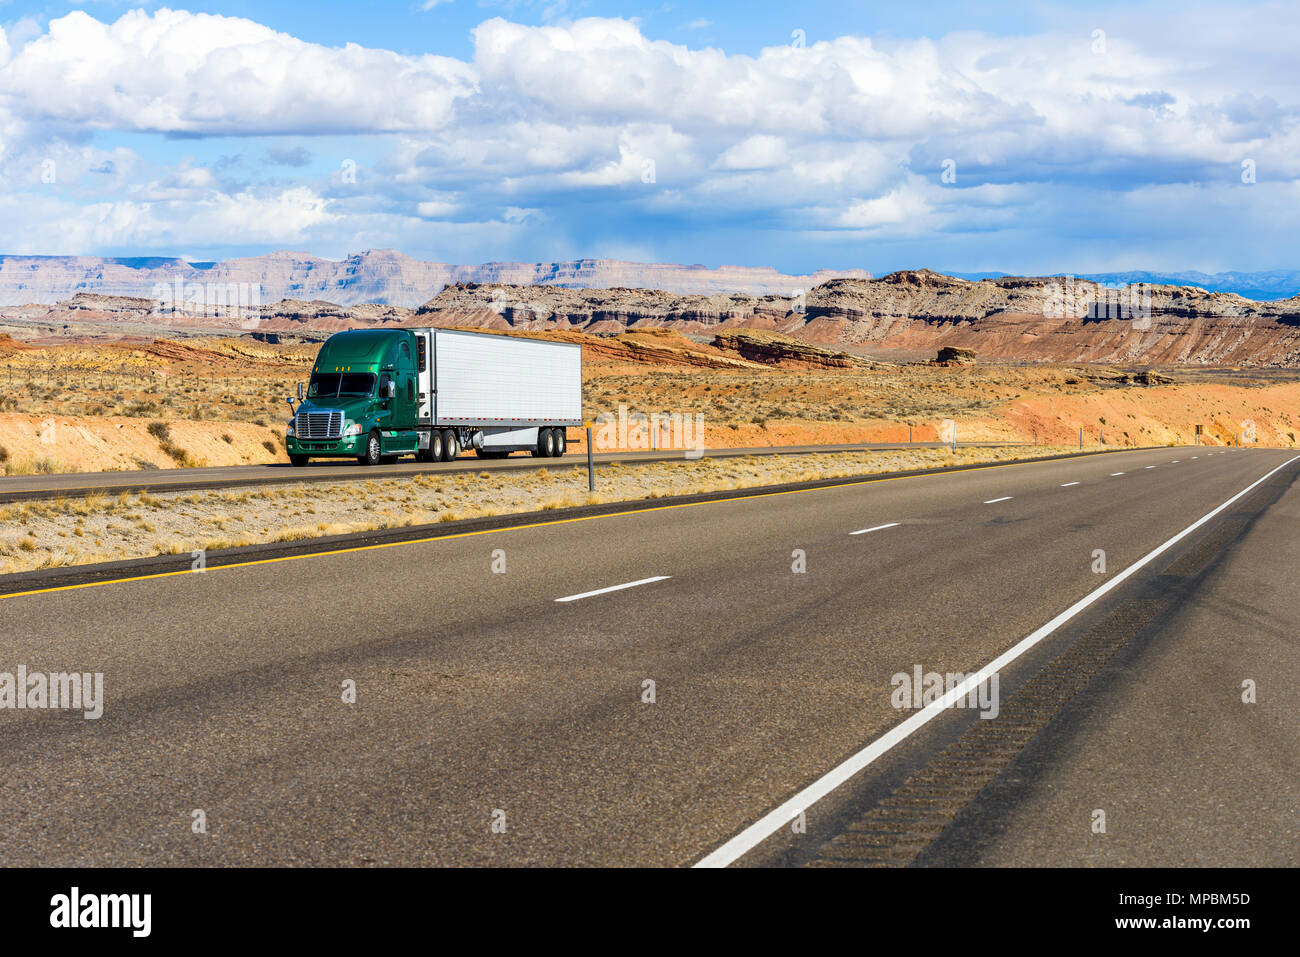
pixel 1023 137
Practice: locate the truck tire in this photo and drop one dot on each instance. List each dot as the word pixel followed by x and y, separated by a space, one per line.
pixel 298 461
pixel 436 439
pixel 561 441
pixel 374 449
pixel 450 445
pixel 545 444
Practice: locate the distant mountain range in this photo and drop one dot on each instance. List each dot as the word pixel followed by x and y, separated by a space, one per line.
pixel 905 316
pixel 374 276
pixel 1261 286
pixel 387 277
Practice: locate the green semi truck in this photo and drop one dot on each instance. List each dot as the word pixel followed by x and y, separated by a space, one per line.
pixel 378 394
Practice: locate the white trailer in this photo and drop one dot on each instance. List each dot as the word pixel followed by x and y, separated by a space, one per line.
pixel 495 394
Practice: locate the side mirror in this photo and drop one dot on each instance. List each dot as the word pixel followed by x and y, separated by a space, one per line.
pixel 299 391
pixel 391 391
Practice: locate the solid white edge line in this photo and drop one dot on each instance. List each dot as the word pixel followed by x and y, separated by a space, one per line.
pixel 863 531
pixel 779 817
pixel 601 591
pixel 1068 484
pixel 1004 498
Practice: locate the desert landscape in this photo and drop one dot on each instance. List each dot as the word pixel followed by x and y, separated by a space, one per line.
pixel 93 405
pixel 100 396
pixel 101 382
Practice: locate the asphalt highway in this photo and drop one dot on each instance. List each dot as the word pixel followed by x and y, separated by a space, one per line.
pixel 1189 772
pixel 648 687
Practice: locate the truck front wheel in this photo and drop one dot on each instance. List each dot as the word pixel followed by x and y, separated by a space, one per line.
pixel 298 461
pixel 374 450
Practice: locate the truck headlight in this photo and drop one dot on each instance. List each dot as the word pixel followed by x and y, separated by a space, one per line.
pixel 291 429
pixel 352 428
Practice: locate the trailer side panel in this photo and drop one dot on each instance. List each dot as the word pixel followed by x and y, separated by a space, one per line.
pixel 487 380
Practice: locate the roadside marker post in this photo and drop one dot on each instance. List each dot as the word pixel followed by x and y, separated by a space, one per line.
pixel 591 463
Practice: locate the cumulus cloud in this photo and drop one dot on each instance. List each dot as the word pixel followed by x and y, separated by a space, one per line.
pixel 178 72
pixel 754 152
pixel 43 222
pixel 585 130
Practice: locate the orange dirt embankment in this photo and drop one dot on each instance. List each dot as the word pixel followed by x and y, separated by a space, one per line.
pixel 1160 415
pixel 95 444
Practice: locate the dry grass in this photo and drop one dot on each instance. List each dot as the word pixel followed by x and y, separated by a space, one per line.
pixel 232 379
pixel 73 531
pixel 42 465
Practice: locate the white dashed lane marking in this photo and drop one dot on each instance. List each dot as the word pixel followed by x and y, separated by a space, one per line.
pixel 875 528
pixel 602 591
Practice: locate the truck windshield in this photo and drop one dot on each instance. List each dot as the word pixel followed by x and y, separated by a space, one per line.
pixel 332 385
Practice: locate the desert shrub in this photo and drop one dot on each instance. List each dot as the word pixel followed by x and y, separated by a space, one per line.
pixel 163 433
pixel 42 466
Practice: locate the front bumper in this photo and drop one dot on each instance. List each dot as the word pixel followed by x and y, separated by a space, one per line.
pixel 352 445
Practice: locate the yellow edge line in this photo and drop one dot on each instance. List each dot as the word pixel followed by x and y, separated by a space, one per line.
pixel 514 528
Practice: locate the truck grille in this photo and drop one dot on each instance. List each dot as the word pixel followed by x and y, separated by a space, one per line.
pixel 320 425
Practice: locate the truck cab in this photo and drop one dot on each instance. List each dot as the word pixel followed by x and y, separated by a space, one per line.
pixel 361 400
